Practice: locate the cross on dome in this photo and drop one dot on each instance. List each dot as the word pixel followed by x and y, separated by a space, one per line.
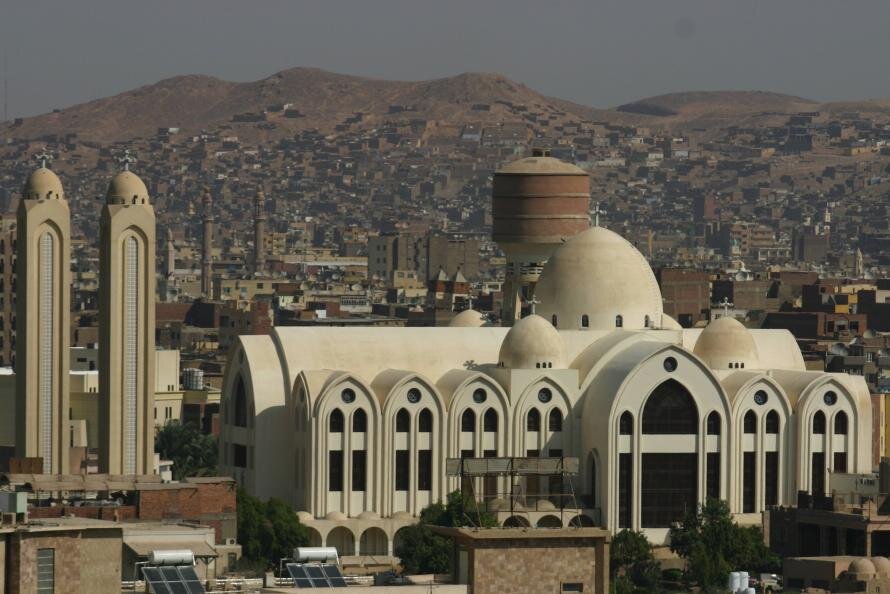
pixel 126 159
pixel 43 157
pixel 726 304
pixel 596 212
pixel 532 303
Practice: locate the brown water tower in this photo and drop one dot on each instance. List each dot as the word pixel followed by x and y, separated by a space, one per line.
pixel 537 203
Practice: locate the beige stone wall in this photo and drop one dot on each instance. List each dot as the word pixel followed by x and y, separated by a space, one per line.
pixel 540 566
pixel 3 538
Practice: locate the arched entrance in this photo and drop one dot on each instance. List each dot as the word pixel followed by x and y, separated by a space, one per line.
pixel 549 522
pixel 516 522
pixel 314 537
pixel 343 540
pixel 669 485
pixel 374 542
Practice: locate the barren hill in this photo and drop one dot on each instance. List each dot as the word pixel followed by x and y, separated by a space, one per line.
pixel 323 100
pixel 698 104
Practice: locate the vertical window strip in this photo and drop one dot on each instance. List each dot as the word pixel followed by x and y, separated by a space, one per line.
pixel 46 363
pixel 131 351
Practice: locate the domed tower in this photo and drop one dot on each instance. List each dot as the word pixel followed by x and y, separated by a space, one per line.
pixel 259 232
pixel 207 248
pixel 537 203
pixel 43 312
pixel 126 327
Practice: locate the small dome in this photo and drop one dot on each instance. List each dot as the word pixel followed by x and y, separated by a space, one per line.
pixel 545 505
pixel 882 565
pixel 126 188
pixel 598 280
pixel 532 343
pixel 304 517
pixel 369 515
pixel 468 318
pixel 726 344
pixel 336 516
pixel 498 504
pixel 402 515
pixel 862 567
pixel 43 184
pixel 669 323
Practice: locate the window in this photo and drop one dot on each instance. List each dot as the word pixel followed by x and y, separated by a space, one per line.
pixel 240 403
pixel 46 571
pixel 840 423
pixel 619 321
pixel 646 322
pixel 479 395
pixel 830 398
pixel 712 478
pixel 670 410
pixel 761 397
pixel 553 320
pixel 669 488
pixel 772 422
pixel 771 487
pixel 533 420
pixel 713 424
pixel 413 395
pixel 335 423
pixel 403 421
pixel 545 395
pixel 425 470
pixel 670 364
pixel 239 455
pixel 468 421
pixel 585 321
pixel 359 470
pixel 359 421
pixel 749 472
pixel 626 424
pixel 490 420
pixel 840 462
pixel 403 470
pixel 625 493
pixel 818 470
pixel 335 470
pixel 750 422
pixel 555 421
pixel 348 395
pixel 819 423
pixel 425 421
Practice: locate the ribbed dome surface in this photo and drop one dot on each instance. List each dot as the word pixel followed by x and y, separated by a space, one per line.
pixel 532 343
pixel 599 274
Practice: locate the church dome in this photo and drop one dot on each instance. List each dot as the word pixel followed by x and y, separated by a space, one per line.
pixel 599 280
pixel 882 565
pixel 532 343
pixel 726 344
pixel 468 318
pixel 862 567
pixel 43 183
pixel 126 188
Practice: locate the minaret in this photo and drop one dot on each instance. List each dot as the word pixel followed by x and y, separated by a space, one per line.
pixel 206 256
pixel 170 265
pixel 126 327
pixel 859 269
pixel 43 313
pixel 259 233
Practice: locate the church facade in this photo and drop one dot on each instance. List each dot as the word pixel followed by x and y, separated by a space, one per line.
pixel 352 426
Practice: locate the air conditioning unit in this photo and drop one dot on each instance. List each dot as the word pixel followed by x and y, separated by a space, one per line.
pixel 230 542
pixel 7 519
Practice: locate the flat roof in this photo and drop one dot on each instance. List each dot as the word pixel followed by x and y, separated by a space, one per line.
pixel 521 533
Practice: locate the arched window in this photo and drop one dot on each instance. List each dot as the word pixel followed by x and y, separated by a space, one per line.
pixel 819 423
pixel 490 420
pixel 670 410
pixel 840 423
pixel 359 421
pixel 626 424
pixel 425 421
pixel 240 404
pixel 403 421
pixel 335 423
pixel 468 421
pixel 555 421
pixel 646 321
pixel 772 422
pixel 533 420
pixel 619 321
pixel 713 424
pixel 553 320
pixel 585 321
pixel 750 422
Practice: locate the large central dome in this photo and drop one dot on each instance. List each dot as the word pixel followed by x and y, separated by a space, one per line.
pixel 598 280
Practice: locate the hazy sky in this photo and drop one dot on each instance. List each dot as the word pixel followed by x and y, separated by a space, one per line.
pixel 597 52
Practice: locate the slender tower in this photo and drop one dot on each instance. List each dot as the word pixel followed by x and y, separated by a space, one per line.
pixel 259 233
pixel 170 265
pixel 127 323
pixel 206 256
pixel 43 312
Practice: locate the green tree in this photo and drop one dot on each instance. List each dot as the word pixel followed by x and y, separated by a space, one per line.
pixel 192 453
pixel 268 530
pixel 713 545
pixel 424 551
pixel 631 565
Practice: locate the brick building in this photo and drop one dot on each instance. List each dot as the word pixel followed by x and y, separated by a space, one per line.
pixel 686 293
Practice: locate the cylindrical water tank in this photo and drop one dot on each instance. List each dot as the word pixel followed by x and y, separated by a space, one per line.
pixel 734 582
pixel 193 378
pixel 320 554
pixel 172 557
pixel 743 582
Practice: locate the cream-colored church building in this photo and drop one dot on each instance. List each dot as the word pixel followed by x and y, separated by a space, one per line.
pixel 353 426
